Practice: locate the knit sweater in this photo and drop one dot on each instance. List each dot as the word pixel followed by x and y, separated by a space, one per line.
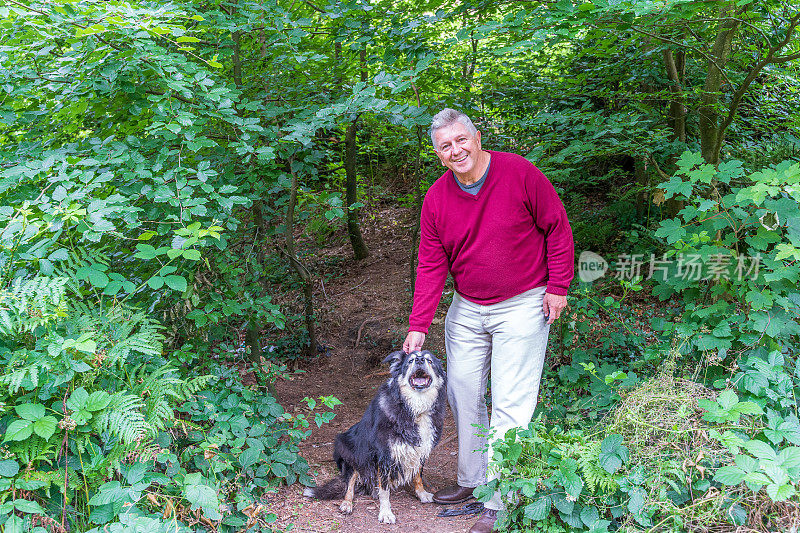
pixel 511 237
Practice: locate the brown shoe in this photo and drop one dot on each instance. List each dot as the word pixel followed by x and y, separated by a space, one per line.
pixel 454 494
pixel 485 523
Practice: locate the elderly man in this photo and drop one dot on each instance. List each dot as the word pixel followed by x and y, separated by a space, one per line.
pixel 494 221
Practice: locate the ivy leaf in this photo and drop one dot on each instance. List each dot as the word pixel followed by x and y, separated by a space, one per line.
pixel 671 230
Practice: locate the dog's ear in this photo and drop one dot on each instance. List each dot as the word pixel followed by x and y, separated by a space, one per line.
pixel 394 359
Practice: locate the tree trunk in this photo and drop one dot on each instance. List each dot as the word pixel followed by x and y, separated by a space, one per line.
pixel 675 64
pixel 417 200
pixel 299 268
pixel 710 130
pixel 351 192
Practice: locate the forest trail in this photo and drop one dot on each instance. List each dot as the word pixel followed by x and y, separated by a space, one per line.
pixel 367 305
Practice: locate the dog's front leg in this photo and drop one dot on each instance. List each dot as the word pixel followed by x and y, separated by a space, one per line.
pixel 423 495
pixel 347 503
pixel 385 514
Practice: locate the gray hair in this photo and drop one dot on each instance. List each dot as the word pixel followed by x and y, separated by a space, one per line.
pixel 447 117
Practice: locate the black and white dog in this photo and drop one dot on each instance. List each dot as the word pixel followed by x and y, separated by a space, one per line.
pixel 387 448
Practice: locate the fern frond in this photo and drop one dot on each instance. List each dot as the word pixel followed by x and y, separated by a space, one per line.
pixel 124 418
pixel 594 475
pixel 30 303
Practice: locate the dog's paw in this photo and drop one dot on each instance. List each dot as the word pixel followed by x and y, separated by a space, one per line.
pixel 386 516
pixel 425 496
pixel 346 507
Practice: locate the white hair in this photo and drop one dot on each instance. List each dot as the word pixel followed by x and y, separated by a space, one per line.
pixel 447 117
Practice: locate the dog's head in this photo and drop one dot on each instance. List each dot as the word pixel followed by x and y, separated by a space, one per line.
pixel 419 370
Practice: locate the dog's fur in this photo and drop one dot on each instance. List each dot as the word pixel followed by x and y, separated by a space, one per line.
pixel 389 445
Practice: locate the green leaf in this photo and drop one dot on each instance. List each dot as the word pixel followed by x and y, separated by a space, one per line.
pixel 730 475
pixel 779 493
pixel 538 510
pixel 573 484
pixel 45 427
pixel 156 282
pixel 15 524
pixel 206 497
pixel 30 411
pixel 611 443
pixel 145 251
pixel 27 506
pixel 609 462
pixel 192 254
pixel 637 501
pixel 279 469
pixel 97 400
pixel 187 39
pixel 727 399
pixel 98 279
pixel 749 408
pixel 19 430
pixel 249 457
pixel 9 468
pixel 177 283
pixel 761 449
pixel 77 400
pixel 789 457
pixel 672 230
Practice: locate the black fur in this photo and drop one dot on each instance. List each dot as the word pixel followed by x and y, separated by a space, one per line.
pixel 389 419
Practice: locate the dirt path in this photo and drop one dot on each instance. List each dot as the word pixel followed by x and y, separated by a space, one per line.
pixel 368 305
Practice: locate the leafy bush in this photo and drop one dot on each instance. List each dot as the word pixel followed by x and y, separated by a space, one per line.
pixel 672 452
pixel 95 421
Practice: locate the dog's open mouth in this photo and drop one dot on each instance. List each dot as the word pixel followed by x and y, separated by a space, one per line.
pixel 420 379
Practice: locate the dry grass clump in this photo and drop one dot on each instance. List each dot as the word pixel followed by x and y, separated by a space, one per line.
pixel 663 428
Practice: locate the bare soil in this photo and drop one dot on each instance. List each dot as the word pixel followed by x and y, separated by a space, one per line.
pixel 363 316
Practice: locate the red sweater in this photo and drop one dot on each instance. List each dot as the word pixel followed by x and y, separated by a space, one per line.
pixel 511 237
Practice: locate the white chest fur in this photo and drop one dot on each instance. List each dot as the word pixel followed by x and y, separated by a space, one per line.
pixel 410 457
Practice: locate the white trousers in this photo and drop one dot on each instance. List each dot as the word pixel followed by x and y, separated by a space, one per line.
pixel 509 338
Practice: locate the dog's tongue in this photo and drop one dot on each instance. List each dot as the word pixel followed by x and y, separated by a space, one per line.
pixel 420 381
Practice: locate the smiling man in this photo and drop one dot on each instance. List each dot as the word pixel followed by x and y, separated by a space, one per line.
pixel 494 221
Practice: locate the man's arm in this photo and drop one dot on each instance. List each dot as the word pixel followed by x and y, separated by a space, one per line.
pixel 550 217
pixel 431 275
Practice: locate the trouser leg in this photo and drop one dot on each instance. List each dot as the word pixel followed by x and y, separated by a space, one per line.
pixel 519 341
pixel 468 348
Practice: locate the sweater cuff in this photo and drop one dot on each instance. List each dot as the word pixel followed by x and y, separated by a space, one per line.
pixel 417 328
pixel 558 291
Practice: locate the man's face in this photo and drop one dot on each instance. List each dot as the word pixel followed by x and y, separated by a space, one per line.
pixel 457 148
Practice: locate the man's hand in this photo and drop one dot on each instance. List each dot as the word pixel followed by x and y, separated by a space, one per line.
pixel 414 341
pixel 553 305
